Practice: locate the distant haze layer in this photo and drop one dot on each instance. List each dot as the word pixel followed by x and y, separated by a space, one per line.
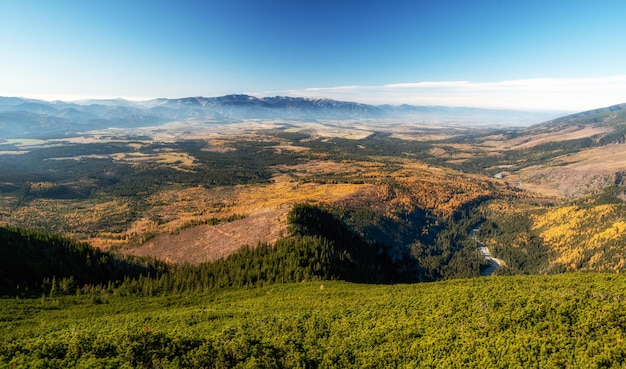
pixel 21 117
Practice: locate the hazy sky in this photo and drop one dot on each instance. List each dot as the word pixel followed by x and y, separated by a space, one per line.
pixel 547 54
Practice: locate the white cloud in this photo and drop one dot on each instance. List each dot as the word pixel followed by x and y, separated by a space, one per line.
pixel 573 94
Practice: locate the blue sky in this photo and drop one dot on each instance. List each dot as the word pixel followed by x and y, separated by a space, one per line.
pixel 561 55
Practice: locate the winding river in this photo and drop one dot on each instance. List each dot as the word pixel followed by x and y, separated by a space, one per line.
pixel 494 263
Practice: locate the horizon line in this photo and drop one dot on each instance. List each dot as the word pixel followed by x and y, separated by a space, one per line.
pixel 79 100
pixel 529 94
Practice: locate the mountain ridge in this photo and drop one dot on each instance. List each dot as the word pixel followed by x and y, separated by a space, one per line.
pixel 612 116
pixel 22 117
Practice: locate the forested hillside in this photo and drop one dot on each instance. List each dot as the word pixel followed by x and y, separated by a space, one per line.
pixel 586 234
pixel 31 262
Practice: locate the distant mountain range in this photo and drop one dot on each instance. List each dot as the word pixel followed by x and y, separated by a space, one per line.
pixel 21 117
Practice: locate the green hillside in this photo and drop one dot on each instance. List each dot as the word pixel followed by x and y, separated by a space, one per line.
pixel 609 116
pixel 564 321
pixel 612 117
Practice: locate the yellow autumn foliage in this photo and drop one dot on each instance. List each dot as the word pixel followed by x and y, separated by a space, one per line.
pixel 580 236
pixel 41 186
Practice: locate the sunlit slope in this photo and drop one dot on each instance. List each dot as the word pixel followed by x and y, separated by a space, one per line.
pixel 585 235
pixel 603 126
pixel 585 238
pixel 568 156
pixel 577 166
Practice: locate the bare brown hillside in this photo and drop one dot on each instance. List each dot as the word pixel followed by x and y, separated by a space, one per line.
pixel 537 138
pixel 265 209
pixel 575 174
pixel 211 242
